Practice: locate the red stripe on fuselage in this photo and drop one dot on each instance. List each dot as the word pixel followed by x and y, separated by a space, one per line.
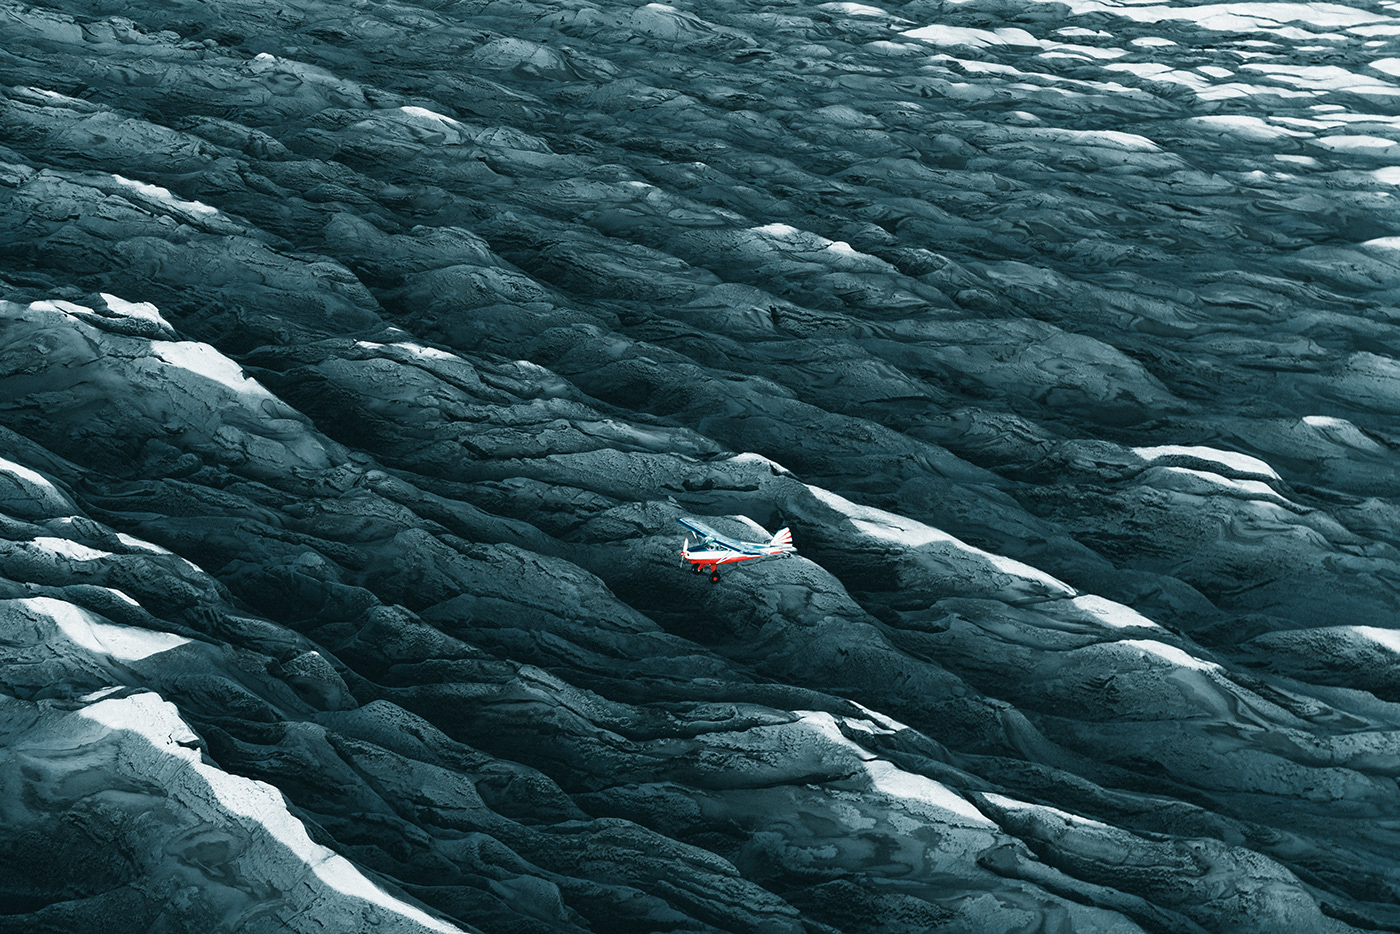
pixel 712 558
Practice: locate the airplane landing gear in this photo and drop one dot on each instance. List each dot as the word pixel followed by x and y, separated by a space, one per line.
pixel 697 569
pixel 714 576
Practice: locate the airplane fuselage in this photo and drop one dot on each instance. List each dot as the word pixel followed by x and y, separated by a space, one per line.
pixel 714 549
pixel 708 558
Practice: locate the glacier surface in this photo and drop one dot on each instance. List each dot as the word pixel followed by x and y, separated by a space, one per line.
pixel 357 358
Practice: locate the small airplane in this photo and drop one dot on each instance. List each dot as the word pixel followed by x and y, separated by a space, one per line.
pixel 716 549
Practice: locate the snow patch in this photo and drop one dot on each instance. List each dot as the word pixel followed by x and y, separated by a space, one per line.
pixel 1235 17
pixel 749 457
pixel 884 724
pixel 1011 804
pixel 21 472
pixel 1240 463
pixel 886 526
pixel 1255 489
pixel 30 494
pixel 891 780
pixel 86 630
pixel 1169 653
pixel 1113 139
pixel 1342 432
pixel 67 548
pixel 1236 89
pixel 1252 128
pixel 417 350
pixel 1114 615
pixel 136 544
pixel 777 230
pixel 1158 72
pixel 1357 143
pixel 1322 77
pixel 1387 638
pixel 970 36
pixel 858 9
pixel 164 196
pixel 205 361
pixel 424 113
pixel 255 802
pixel 1084 51
pixel 122 596
pixel 910 787
pixel 144 311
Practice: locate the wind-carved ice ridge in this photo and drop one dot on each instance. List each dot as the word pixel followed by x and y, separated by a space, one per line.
pixel 255 806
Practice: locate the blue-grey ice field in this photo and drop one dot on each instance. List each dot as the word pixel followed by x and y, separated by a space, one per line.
pixel 357 358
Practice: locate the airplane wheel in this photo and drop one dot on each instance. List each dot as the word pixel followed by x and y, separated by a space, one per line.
pixel 696 568
pixel 714 577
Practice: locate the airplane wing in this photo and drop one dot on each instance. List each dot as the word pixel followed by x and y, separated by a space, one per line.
pixel 706 533
pixel 711 537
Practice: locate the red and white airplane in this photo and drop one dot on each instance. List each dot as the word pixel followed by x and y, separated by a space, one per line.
pixel 716 549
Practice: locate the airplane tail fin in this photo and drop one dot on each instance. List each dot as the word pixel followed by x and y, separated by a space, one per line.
pixel 783 540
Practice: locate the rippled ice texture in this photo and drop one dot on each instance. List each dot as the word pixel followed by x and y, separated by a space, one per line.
pixel 357 358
